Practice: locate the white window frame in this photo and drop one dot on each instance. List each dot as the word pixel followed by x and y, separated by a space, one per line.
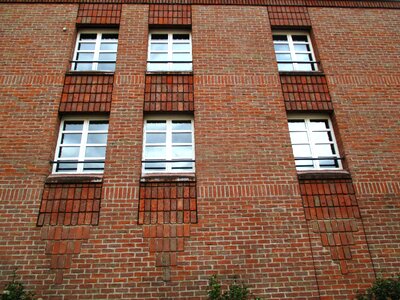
pixel 82 145
pixel 169 65
pixel 314 143
pixel 293 53
pixel 96 51
pixel 168 151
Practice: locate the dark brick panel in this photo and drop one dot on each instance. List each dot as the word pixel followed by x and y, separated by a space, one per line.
pixel 99 14
pixel 170 14
pixel 288 16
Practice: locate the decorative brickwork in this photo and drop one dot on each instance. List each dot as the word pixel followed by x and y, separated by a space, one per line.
pixel 97 13
pixel 70 204
pixel 288 16
pixel 302 92
pixel 169 93
pixel 87 93
pixel 170 14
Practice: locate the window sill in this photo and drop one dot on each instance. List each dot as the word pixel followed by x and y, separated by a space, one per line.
pixel 168 177
pixel 323 174
pixel 169 72
pixel 74 178
pixel 301 73
pixel 85 73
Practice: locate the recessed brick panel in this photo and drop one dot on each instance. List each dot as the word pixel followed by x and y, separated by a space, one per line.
pixel 70 204
pixel 99 14
pixel 167 203
pixel 169 93
pixel 170 14
pixel 288 16
pixel 87 93
pixel 302 92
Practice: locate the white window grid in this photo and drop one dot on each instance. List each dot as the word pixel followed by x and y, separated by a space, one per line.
pixel 315 161
pixel 96 63
pixel 77 164
pixel 167 163
pixel 296 61
pixel 169 63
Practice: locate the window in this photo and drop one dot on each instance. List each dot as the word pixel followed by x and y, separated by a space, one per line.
pixel 81 146
pixel 95 51
pixel 313 142
pixel 294 51
pixel 168 144
pixel 170 51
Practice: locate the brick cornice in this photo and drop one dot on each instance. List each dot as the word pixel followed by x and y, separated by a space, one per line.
pixel 309 3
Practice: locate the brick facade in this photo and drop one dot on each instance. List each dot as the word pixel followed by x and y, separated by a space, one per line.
pixel 245 212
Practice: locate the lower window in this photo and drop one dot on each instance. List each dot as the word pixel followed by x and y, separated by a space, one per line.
pixel 168 145
pixel 313 142
pixel 81 146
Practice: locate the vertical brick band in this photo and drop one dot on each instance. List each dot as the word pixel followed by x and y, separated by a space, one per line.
pixel 170 14
pixel 100 14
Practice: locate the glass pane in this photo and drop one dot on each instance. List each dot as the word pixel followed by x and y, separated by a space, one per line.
pixel 181 36
pixel 86 46
pixel 106 67
pixel 85 56
pixel 159 47
pixel 109 36
pixel 301 150
pixel 304 67
pixel 325 150
pixel 328 163
pixel 158 36
pixel 155 138
pixel 156 125
pixel 319 125
pixel 93 166
pixel 181 125
pixel 182 166
pixel 279 37
pixel 88 36
pixel 159 56
pixel 98 125
pixel 296 125
pixel 303 57
pixel 181 47
pixel 181 57
pixel 71 138
pixel 67 167
pixel 97 138
pixel 299 38
pixel 285 67
pixel 182 67
pixel 155 166
pixel 155 152
pixel 73 125
pixel 283 57
pixel 157 67
pixel 281 47
pixel 304 164
pixel 182 152
pixel 83 66
pixel 301 47
pixel 109 46
pixel 108 56
pixel 181 138
pixel 299 137
pixel 322 137
pixel 67 152
pixel 95 152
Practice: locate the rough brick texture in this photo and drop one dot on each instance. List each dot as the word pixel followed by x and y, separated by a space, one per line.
pixel 170 14
pixel 288 16
pixel 168 93
pixel 99 14
pixel 87 93
pixel 306 92
pixel 70 204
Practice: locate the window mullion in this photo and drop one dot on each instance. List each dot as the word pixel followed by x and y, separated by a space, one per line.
pixel 292 51
pixel 82 148
pixel 96 51
pixel 312 143
pixel 170 42
pixel 168 146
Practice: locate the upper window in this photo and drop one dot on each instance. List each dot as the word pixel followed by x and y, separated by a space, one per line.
pixel 95 51
pixel 294 51
pixel 313 142
pixel 81 146
pixel 170 51
pixel 168 144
